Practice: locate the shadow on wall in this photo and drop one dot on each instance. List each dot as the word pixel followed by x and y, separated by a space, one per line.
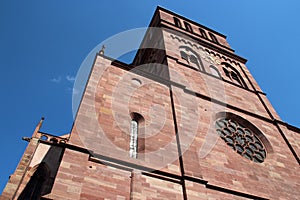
pixel 43 175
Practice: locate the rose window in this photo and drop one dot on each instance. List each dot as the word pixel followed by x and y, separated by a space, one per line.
pixel 241 139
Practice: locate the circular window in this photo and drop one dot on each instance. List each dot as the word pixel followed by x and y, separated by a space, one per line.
pixel 241 139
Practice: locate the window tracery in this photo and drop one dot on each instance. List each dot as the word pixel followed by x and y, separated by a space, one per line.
pixel 233 75
pixel 241 139
pixel 191 57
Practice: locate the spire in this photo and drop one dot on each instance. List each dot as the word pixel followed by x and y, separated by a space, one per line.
pixel 36 130
pixel 38 127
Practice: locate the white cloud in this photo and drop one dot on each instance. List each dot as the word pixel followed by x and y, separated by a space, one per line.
pixel 56 80
pixel 70 78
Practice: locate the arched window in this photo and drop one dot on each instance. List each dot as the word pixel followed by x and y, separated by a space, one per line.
pixel 137 142
pixel 188 27
pixel 191 57
pixel 36 184
pixel 233 75
pixel 133 138
pixel 214 71
pixel 177 22
pixel 213 38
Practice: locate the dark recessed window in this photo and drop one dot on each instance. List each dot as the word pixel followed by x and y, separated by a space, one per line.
pixel 177 22
pixel 37 183
pixel 202 33
pixel 184 56
pixel 193 59
pixel 188 27
pixel 226 72
pixel 233 75
pixel 213 38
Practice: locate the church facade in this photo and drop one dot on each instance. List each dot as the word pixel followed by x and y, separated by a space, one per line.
pixel 185 120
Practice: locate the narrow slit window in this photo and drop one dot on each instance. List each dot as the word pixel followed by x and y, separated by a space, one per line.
pixel 188 27
pixel 213 38
pixel 177 22
pixel 203 33
pixel 133 138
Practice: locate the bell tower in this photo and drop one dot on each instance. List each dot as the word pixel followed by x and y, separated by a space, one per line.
pixel 185 120
pixel 240 146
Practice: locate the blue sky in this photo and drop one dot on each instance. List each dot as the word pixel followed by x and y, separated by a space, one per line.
pixel 43 43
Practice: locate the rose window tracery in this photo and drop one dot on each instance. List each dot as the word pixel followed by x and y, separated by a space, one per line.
pixel 241 139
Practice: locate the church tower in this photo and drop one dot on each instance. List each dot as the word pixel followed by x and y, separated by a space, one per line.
pixel 184 120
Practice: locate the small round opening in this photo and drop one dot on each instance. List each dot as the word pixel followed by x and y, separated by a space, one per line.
pixel 44 137
pixel 136 82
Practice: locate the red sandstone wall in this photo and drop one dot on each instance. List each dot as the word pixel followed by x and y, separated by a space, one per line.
pixel 221 166
pixel 167 18
pixel 103 121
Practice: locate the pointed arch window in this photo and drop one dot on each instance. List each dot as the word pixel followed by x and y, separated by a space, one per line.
pixel 191 57
pixel 35 186
pixel 233 75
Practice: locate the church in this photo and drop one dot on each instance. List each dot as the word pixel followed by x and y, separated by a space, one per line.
pixel 184 120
